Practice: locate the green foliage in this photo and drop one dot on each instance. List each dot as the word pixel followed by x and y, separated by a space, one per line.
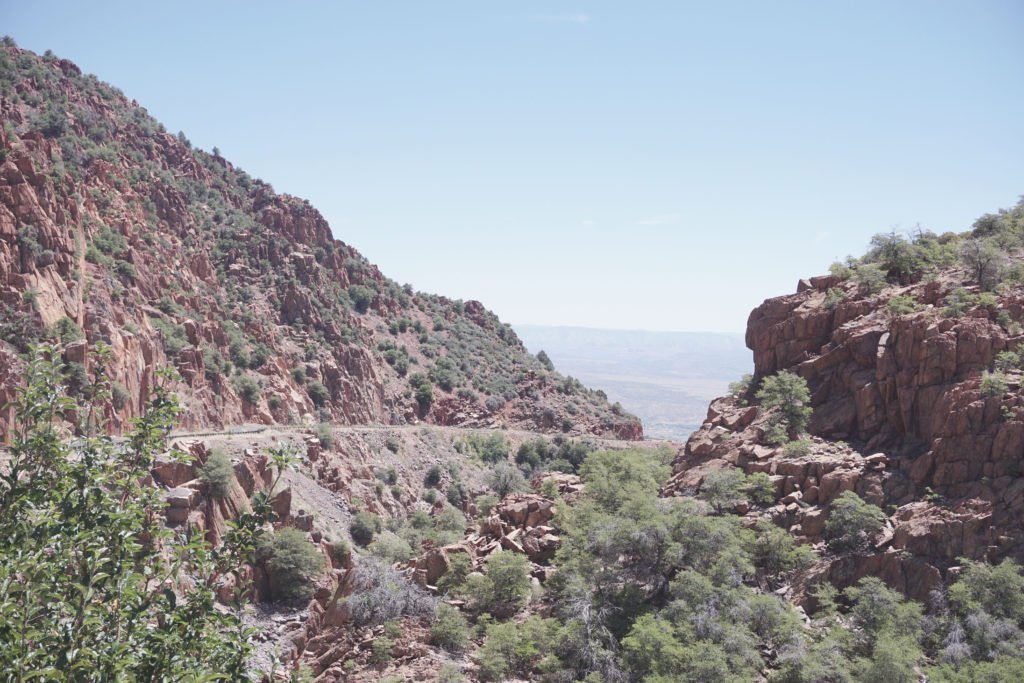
pixel 247 387
pixel 491 448
pixel 293 563
pixel 515 649
pixel 84 572
pixel 452 581
pixel 450 630
pixel 998 590
pixel 741 386
pixel 218 474
pixel 993 384
pixel 760 488
pixel 984 261
pixel 319 394
pixel 173 335
pixel 505 479
pixel 724 488
pixel 390 548
pixel 834 296
pixel 786 394
pixel 869 278
pixel 1007 361
pixel 325 435
pixel 364 526
pixel 67 330
pixel 433 476
pixel 423 391
pixel 380 650
pixel 393 444
pixel 902 304
pixel 852 522
pixel 504 588
pixel 797 448
pixel 545 360
pixel 362 297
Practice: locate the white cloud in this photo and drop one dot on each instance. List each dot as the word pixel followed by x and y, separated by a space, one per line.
pixel 564 18
pixel 660 219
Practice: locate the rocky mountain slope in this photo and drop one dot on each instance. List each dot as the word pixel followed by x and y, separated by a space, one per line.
pixel 114 230
pixel 915 385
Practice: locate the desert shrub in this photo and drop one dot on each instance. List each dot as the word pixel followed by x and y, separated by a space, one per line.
pixel 997 590
pixel 724 488
pixel 484 503
pixel 174 337
pixel 993 384
pixel 959 302
pixel 834 296
pixel 298 374
pixel 119 396
pixel 67 330
pixel 452 581
pixel 797 448
pixel 364 526
pixel 869 278
pixel 390 548
pixel 741 386
pixel 393 444
pixel 902 304
pixel 1007 361
pixel 852 521
pixel 984 261
pixel 515 649
pixel 325 435
pixel 433 476
pixel 423 391
pixel 450 630
pixel 318 393
pixel 787 394
pixel 545 360
pixel 362 297
pixel 248 387
pixel 760 488
pixel 505 479
pixel 380 594
pixel 275 402
pixel 774 550
pixel 504 588
pixel 218 474
pixel 490 448
pixel 293 563
pixel 380 650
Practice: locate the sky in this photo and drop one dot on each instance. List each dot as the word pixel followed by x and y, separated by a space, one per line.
pixel 624 165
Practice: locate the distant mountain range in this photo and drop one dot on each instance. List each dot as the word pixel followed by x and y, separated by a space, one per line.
pixel 665 378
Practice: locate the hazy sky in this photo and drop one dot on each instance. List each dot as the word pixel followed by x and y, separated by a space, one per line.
pixel 653 165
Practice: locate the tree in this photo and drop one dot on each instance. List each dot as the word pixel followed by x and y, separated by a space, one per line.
pixel 724 488
pixel 505 479
pixel 87 591
pixel 852 521
pixel 788 395
pixel 984 260
pixel 293 563
pixel 218 474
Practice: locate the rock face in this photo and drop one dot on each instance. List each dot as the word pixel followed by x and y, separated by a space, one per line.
pixel 113 230
pixel 900 418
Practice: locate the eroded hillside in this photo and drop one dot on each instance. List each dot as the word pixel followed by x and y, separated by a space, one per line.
pixel 113 230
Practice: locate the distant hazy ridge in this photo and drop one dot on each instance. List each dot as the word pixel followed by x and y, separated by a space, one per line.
pixel 665 378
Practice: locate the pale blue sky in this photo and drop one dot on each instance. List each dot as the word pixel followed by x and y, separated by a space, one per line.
pixel 651 165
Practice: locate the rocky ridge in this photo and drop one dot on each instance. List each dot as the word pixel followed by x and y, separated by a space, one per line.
pixel 900 417
pixel 113 230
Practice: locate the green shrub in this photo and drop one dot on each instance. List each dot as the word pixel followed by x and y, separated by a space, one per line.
pixel 870 278
pixel 248 387
pixel 545 360
pixel 433 476
pixel 218 474
pixel 506 479
pixel 393 444
pixel 298 374
pixel 67 330
pixel 788 395
pixel 450 630
pixel 293 563
pixel 504 588
pixel 724 488
pixel 797 448
pixel 1007 361
pixel 902 304
pixel 741 386
pixel 515 649
pixel 362 297
pixel 390 548
pixel 380 650
pixel 452 581
pixel 993 384
pixel 364 526
pixel 325 435
pixel 984 261
pixel 852 522
pixel 760 488
pixel 834 296
pixel 318 394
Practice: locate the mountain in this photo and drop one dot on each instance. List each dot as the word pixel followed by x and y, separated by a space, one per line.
pixel 666 378
pixel 114 230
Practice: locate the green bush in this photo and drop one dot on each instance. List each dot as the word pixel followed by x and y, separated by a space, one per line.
pixel 318 394
pixel 852 522
pixel 902 304
pixel 787 394
pixel 506 479
pixel 869 278
pixel 326 435
pixel 724 488
pixel 993 384
pixel 364 526
pixel 362 297
pixel 390 548
pixel 293 563
pixel 218 474
pixel 1007 361
pixel 79 551
pixel 450 630
pixel 248 387
pixel 515 649
pixel 834 296
pixel 504 588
